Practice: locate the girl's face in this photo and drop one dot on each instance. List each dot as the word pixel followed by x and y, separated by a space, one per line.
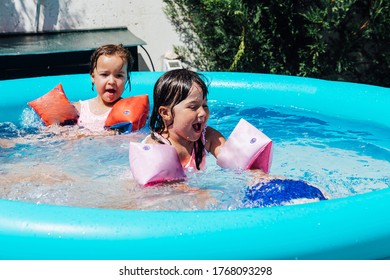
pixel 110 76
pixel 190 116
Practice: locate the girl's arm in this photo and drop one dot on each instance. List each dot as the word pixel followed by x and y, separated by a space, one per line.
pixel 214 141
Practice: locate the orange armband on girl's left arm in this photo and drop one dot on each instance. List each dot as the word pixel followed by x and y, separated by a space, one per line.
pixel 129 113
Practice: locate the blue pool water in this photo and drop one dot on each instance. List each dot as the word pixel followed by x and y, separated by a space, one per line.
pixel 344 158
pixel 64 167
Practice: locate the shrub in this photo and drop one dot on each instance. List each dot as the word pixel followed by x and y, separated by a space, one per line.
pixel 338 40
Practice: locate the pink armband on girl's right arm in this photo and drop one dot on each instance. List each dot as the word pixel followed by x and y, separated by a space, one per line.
pixel 154 163
pixel 246 148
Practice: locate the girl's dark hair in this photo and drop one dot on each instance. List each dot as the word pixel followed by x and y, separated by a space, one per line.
pixel 111 49
pixel 170 89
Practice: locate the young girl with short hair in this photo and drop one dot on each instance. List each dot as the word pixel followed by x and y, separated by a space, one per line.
pixel 110 72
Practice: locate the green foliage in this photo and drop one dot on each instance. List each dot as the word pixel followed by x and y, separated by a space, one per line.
pixel 338 40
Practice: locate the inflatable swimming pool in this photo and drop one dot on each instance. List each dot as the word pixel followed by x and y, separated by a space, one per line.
pixel 355 227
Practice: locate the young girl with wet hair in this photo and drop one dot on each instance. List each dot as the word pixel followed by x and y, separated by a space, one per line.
pixel 179 117
pixel 110 72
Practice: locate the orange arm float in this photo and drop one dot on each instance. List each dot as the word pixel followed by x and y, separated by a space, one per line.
pixel 55 108
pixel 131 112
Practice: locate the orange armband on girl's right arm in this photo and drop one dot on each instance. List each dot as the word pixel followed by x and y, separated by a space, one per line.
pixel 55 108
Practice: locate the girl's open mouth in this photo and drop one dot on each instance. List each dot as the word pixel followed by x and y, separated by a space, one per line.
pixel 197 127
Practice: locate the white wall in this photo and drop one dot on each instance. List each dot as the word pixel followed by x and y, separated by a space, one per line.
pixel 144 18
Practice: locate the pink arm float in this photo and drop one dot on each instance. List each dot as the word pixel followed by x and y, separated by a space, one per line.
pixel 246 148
pixel 154 163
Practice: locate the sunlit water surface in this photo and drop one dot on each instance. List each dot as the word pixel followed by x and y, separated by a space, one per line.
pixel 61 166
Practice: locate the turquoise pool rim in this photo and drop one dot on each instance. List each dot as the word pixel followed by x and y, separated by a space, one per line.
pixel 355 227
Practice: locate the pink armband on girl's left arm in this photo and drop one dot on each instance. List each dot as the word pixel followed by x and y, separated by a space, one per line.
pixel 246 148
pixel 154 163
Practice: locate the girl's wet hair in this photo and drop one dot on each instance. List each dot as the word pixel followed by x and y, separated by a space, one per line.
pixel 170 89
pixel 111 49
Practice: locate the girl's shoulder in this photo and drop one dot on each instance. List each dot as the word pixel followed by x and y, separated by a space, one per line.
pixel 155 138
pixel 77 105
pixel 80 103
pixel 149 140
